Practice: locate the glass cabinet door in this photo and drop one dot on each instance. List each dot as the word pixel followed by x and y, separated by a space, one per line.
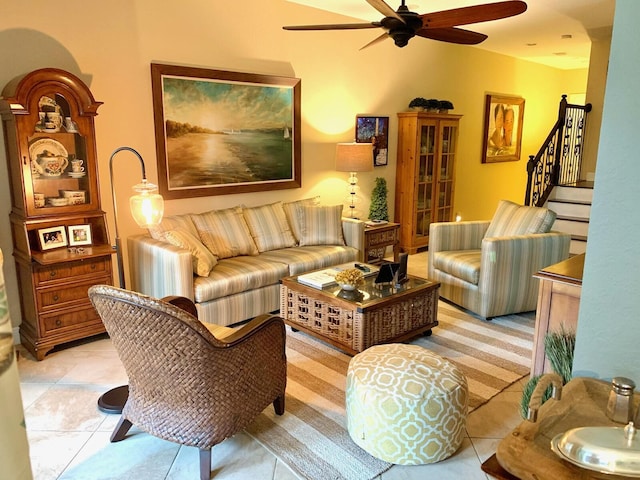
pixel 446 170
pixel 425 177
pixel 57 158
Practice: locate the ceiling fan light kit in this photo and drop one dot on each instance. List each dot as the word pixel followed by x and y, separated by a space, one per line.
pixel 402 25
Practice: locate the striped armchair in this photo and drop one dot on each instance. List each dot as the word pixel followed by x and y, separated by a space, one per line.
pixel 487 267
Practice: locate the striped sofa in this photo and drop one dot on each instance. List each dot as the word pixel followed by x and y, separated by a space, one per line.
pixel 230 261
pixel 487 267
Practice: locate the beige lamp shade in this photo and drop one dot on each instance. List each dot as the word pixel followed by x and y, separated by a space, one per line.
pixel 354 157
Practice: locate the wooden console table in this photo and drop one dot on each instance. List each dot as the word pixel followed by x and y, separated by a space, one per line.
pixel 558 304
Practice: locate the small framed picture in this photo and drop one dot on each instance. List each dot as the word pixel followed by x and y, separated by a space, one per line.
pixel 79 235
pixel 374 130
pixel 53 237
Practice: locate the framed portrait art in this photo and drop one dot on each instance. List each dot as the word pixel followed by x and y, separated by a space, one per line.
pixel 220 132
pixel 53 237
pixel 374 130
pixel 503 117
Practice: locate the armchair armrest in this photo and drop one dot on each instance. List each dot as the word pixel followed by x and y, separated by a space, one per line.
pixel 511 262
pixel 449 236
pixel 159 269
pixel 353 232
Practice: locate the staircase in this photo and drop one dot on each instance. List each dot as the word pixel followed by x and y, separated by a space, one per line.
pixel 572 204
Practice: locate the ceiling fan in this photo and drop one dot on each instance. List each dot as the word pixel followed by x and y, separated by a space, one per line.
pixel 402 25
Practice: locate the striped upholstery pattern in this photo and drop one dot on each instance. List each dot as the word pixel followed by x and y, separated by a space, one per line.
pixel 225 232
pixel 175 222
pixel 513 219
pixel 505 284
pixel 203 259
pixel 269 227
pixel 241 306
pixel 322 225
pixel 464 264
pixel 302 259
pixel 292 212
pixel 238 274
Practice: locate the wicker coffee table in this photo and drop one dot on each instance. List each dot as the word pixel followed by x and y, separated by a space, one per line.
pixel 354 321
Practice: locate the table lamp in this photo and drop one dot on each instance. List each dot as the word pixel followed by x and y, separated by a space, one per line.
pixel 353 158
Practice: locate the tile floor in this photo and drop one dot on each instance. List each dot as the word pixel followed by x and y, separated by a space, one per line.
pixel 69 436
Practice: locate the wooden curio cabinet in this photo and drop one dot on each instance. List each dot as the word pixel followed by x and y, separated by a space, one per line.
pixel 60 239
pixel 427 144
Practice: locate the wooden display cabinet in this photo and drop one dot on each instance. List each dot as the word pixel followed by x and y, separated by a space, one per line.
pixel 48 125
pixel 427 145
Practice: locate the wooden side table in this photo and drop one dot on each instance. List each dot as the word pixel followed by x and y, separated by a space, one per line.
pixel 376 240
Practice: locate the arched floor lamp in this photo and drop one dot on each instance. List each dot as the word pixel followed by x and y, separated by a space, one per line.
pixel 147 207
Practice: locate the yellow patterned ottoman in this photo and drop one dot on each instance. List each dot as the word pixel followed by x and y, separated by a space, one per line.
pixel 405 405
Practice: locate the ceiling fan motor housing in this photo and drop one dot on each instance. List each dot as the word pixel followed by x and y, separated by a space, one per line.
pixel 402 32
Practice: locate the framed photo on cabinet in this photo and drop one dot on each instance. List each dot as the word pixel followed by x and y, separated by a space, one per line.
pixel 220 132
pixel 79 235
pixel 503 117
pixel 53 237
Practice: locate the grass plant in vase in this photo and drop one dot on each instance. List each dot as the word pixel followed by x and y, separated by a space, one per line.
pixel 558 347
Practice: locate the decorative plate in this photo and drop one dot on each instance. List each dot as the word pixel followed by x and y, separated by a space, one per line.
pixel 49 144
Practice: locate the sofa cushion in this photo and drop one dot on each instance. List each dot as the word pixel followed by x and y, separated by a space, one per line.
pixel 292 212
pixel 513 219
pixel 303 259
pixel 225 232
pixel 269 227
pixel 463 264
pixel 236 275
pixel 175 222
pixel 203 260
pixel 321 225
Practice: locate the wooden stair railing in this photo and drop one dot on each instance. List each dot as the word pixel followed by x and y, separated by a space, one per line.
pixel 559 159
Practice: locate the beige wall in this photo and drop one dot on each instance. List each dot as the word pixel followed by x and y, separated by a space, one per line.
pixel 111 44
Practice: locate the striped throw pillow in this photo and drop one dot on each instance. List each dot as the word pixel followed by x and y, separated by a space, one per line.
pixel 225 232
pixel 293 214
pixel 175 222
pixel 203 260
pixel 513 219
pixel 269 227
pixel 321 225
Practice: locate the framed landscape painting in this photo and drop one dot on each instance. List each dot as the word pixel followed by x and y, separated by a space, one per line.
pixel 503 116
pixel 220 132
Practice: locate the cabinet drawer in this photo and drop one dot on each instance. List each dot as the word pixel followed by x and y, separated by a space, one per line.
pixel 58 296
pixel 90 266
pixel 69 320
pixel 385 237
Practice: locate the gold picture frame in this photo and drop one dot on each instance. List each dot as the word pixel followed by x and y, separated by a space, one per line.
pixel 220 132
pixel 503 118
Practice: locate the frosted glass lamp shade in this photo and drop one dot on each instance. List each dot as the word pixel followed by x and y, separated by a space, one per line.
pixel 354 157
pixel 147 205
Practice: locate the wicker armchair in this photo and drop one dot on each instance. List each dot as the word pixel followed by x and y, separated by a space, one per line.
pixel 186 385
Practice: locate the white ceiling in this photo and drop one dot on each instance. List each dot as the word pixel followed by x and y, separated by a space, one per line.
pixel 536 35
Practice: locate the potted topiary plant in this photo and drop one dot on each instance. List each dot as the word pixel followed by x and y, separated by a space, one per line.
pixel 444 106
pixel 378 209
pixel 433 105
pixel 418 104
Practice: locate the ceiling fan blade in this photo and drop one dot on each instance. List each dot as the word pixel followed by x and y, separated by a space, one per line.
pixel 473 14
pixel 379 39
pixel 339 26
pixel 384 9
pixel 452 35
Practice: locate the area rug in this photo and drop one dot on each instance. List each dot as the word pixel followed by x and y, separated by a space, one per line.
pixel 311 437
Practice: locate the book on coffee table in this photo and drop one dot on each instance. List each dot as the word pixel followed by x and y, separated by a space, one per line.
pixel 325 278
